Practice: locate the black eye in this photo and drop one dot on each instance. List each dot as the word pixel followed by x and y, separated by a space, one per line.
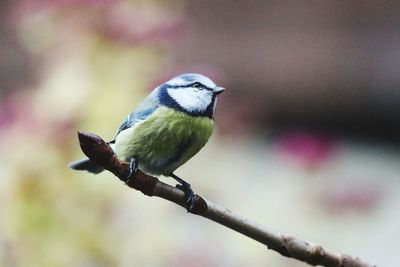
pixel 197 85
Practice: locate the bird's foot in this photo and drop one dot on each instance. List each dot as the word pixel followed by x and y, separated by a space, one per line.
pixel 187 189
pixel 133 168
pixel 189 196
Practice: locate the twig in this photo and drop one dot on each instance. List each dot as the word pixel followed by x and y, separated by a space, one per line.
pixel 99 151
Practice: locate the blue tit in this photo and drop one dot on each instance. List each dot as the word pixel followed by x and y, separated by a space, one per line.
pixel 168 128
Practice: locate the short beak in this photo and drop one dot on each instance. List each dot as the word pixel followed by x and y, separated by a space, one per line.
pixel 218 90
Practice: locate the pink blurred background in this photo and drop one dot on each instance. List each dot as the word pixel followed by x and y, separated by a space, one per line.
pixel 306 139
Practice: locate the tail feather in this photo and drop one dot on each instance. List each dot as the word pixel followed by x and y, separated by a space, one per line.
pixel 86 165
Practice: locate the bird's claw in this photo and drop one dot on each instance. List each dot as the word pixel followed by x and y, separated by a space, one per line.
pixel 189 196
pixel 133 168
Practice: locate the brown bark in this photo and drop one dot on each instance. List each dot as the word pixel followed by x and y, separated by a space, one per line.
pixel 99 151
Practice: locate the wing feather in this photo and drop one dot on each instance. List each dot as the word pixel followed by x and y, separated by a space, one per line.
pixel 142 112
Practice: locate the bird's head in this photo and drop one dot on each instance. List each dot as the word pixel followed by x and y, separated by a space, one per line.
pixel 194 94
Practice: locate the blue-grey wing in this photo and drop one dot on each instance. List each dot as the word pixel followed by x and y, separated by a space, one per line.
pixel 142 112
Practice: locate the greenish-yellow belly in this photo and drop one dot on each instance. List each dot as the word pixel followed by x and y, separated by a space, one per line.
pixel 164 141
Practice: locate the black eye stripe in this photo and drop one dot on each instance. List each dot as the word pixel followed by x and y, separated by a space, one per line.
pixel 199 86
pixel 196 85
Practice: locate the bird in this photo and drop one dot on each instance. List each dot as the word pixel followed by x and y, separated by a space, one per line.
pixel 165 130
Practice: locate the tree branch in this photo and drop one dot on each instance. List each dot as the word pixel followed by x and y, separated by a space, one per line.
pixel 99 151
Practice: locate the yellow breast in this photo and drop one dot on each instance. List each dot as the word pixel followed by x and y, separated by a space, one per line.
pixel 164 141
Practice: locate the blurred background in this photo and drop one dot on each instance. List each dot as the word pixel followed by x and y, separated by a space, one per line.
pixel 306 139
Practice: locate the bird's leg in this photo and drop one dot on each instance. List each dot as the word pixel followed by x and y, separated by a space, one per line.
pixel 186 188
pixel 133 168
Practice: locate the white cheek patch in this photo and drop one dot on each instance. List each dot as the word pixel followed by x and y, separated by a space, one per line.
pixel 191 99
pixel 215 103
